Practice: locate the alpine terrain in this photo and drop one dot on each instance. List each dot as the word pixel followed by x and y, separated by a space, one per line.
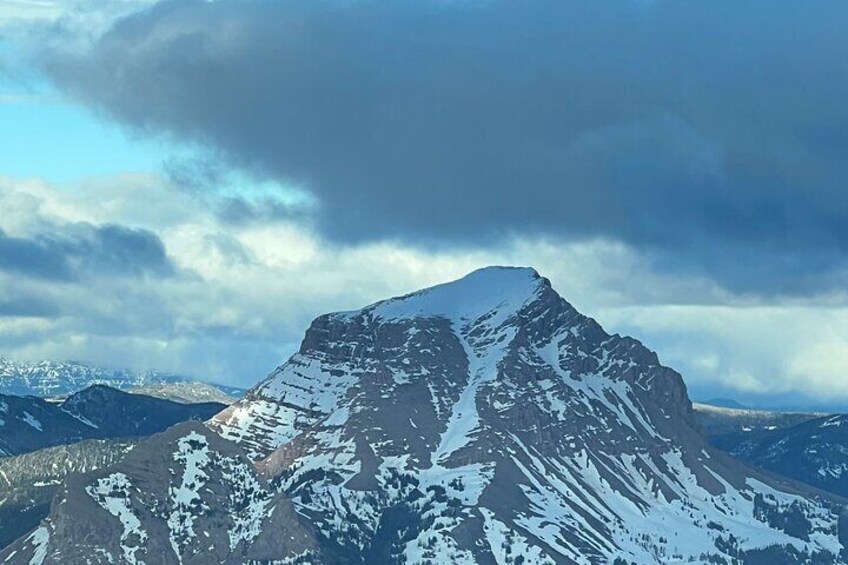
pixel 59 379
pixel 480 421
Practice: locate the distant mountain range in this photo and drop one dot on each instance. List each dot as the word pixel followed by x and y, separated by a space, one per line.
pixel 190 392
pixel 725 403
pixel 58 379
pixel 716 421
pixel 29 423
pixel 481 421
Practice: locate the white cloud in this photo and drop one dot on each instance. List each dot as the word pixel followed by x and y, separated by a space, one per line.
pixel 26 13
pixel 772 349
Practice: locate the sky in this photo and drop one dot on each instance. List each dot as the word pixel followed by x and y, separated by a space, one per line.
pixel 185 185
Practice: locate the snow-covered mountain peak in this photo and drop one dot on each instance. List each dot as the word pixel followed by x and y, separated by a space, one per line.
pixel 496 291
pixel 491 414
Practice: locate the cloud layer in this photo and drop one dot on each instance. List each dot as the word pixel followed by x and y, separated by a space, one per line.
pixel 710 134
pixel 235 298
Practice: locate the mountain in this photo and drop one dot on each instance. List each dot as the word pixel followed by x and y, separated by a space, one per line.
pixel 28 482
pixel 29 423
pixel 190 392
pixel 480 421
pixel 814 451
pixel 59 379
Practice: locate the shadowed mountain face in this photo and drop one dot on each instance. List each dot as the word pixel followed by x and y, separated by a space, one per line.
pixel 29 423
pixel 814 451
pixel 482 421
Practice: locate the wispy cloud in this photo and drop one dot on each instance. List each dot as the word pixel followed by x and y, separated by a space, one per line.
pixel 29 98
pixel 24 14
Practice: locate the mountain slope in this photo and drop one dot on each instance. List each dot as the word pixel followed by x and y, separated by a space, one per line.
pixel 183 496
pixel 814 451
pixel 29 423
pixel 28 482
pixel 189 392
pixel 118 413
pixel 487 418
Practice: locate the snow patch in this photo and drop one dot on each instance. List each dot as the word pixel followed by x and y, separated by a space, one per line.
pixel 32 421
pixel 193 455
pixel 502 290
pixel 113 494
pixel 39 539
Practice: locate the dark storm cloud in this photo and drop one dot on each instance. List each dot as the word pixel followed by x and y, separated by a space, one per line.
pixel 711 134
pixel 77 251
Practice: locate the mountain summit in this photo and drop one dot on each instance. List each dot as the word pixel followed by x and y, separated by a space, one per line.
pixel 503 290
pixel 479 421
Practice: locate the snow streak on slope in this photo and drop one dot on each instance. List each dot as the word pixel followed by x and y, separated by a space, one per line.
pixel 193 455
pixel 280 407
pixel 464 418
pixel 114 493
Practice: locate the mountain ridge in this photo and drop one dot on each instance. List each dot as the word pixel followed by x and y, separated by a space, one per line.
pixel 60 378
pixel 30 423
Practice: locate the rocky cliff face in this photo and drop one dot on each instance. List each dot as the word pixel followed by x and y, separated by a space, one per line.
pixel 481 421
